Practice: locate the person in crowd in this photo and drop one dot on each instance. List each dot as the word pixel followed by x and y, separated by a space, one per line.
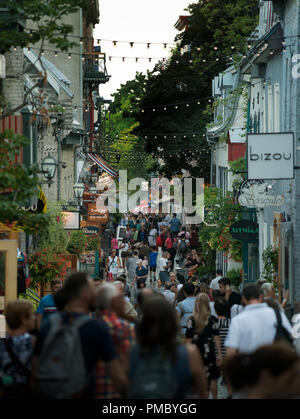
pixel 160 368
pixel 268 291
pixel 168 293
pixel 220 306
pixel 214 285
pixel 142 295
pixel 185 308
pixel 159 286
pixel 161 225
pixel 130 313
pixel 163 266
pixel 173 278
pixel 270 372
pixel 131 270
pixel 180 281
pixel 141 273
pixel 144 250
pixel 202 330
pixel 122 278
pixel 231 297
pixel 132 222
pixel 182 250
pixel 152 236
pixel 175 225
pixel 153 263
pixel 194 238
pixel 170 248
pixel 124 220
pixel 96 343
pixel 110 307
pixel 135 236
pixel 128 233
pixel 145 263
pixel 114 244
pixel 123 251
pixel 256 326
pixel 142 236
pixel 113 266
pixel 47 305
pixel 16 350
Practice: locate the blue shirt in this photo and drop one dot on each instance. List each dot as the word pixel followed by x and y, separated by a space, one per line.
pixel 152 259
pixel 185 308
pixel 47 306
pixel 175 225
pixel 141 272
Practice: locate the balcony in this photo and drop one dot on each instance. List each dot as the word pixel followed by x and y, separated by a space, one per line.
pixel 95 71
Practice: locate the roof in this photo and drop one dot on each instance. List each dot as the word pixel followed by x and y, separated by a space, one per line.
pixel 55 77
pixel 182 22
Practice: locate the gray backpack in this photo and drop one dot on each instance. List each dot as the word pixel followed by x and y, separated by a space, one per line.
pixel 152 377
pixel 61 370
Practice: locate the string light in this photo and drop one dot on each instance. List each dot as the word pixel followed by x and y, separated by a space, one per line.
pixel 81 41
pixel 70 56
pixel 55 54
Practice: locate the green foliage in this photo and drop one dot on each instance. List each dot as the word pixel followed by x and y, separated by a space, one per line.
pixel 77 242
pixel 120 127
pixel 45 266
pixel 186 77
pixel 220 212
pixel 235 276
pixel 93 244
pixel 18 184
pixel 54 237
pixel 270 261
pixel 45 23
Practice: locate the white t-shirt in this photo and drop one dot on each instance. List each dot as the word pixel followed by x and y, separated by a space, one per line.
pixel 254 327
pixel 215 283
pixel 152 237
pixel 161 263
pixel 113 265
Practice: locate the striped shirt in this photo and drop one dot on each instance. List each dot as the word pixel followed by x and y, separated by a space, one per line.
pixel 223 331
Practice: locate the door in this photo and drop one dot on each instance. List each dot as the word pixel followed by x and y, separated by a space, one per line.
pixel 8 272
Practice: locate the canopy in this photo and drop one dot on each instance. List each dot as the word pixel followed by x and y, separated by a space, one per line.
pixel 96 158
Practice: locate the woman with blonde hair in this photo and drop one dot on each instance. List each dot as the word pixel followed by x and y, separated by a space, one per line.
pixel 202 330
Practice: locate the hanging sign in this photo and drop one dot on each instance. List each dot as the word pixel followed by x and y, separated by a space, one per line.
pixel 91 230
pixel 270 156
pixel 255 194
pixel 245 230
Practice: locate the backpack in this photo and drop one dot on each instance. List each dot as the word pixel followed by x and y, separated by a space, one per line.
pixel 183 246
pixel 61 370
pixel 282 335
pixel 152 376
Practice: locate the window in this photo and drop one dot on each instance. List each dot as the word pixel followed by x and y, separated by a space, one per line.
pixel 270 109
pixel 277 107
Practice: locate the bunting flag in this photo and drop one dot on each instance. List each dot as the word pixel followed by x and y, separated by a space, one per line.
pixel 96 158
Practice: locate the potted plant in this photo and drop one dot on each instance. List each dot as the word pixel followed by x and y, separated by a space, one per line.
pixel 43 267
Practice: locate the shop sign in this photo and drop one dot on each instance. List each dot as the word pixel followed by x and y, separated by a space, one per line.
pixel 255 194
pixel 91 230
pixel 245 230
pixel 270 156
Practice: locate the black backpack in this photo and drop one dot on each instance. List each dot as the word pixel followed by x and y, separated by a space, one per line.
pixel 282 335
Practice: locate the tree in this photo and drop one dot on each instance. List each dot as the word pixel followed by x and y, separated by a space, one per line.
pixel 18 184
pixel 187 77
pixel 121 141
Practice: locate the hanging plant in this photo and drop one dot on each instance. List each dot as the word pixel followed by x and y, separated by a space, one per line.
pixel 270 261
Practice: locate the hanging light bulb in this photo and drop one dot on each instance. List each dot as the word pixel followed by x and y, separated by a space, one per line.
pixel 43 52
pixel 131 44
pixel 55 54
pixel 148 45
pixel 81 41
pixel 136 60
pixel 115 43
pixel 165 46
pixel 70 56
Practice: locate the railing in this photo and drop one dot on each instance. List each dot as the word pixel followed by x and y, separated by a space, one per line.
pixel 95 67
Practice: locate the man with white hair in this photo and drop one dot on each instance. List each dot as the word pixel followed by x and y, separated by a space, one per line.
pixel 268 291
pixel 110 310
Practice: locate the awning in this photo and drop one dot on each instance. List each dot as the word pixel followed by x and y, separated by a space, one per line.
pixel 96 158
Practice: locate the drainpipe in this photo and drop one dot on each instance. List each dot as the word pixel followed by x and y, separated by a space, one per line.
pixel 81 70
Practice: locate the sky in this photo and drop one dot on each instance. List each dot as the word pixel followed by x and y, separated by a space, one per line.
pixel 135 21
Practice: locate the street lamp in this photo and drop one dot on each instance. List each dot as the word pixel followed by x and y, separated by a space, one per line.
pixel 49 168
pixel 78 190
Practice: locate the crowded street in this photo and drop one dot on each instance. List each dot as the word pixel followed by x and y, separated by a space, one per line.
pixel 149 185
